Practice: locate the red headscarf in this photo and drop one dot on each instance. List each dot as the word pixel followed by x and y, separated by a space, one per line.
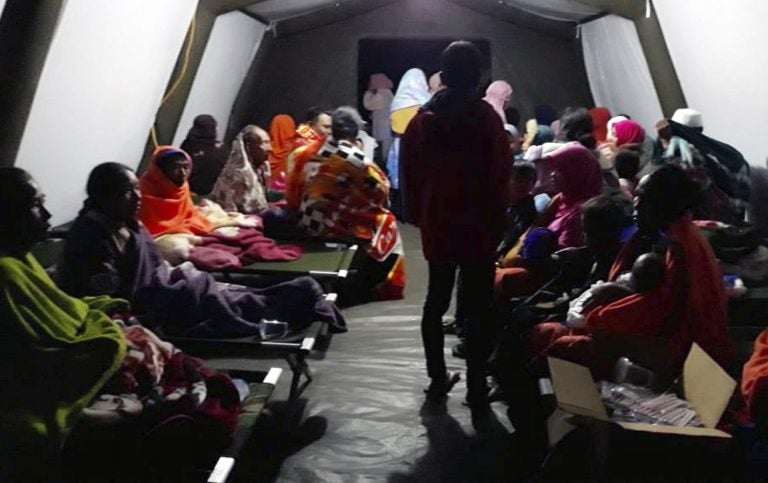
pixel 165 207
pixel 581 179
pixel 628 132
pixel 689 305
pixel 282 133
pixel 600 117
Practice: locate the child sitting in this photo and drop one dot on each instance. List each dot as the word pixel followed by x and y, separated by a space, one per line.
pixel 647 274
pixel 522 211
pixel 627 162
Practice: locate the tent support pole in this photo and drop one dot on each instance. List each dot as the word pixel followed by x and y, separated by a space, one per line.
pixel 660 64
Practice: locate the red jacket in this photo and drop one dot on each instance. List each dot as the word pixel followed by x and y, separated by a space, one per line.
pixel 457 171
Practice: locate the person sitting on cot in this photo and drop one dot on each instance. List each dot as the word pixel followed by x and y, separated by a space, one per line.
pixel 57 351
pixel 69 362
pixel 108 251
pixel 345 195
pixel 166 203
pixel 244 182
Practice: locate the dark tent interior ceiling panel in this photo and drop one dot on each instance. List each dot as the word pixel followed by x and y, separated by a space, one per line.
pixel 320 65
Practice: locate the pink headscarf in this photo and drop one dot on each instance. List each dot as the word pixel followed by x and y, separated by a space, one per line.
pixel 628 132
pixel 497 96
pixel 380 81
pixel 582 179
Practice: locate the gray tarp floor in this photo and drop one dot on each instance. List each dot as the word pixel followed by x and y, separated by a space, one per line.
pixel 365 416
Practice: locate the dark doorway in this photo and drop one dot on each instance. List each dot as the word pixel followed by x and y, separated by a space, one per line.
pixel 395 56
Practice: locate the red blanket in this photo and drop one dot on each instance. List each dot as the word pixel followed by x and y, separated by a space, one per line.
pixel 249 245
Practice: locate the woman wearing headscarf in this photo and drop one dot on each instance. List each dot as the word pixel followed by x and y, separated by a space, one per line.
pixel 378 100
pixel 498 95
pixel 577 177
pixel 208 156
pixel 412 93
pixel 282 134
pixel 244 181
pixel 166 203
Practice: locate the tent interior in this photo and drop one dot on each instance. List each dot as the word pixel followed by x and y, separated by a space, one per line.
pixel 86 82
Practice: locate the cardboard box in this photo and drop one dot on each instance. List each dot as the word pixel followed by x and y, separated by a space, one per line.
pixel 706 386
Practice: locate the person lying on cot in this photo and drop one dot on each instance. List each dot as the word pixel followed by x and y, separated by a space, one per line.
pixel 244 182
pixel 166 203
pixel 689 305
pixel 345 195
pixel 108 251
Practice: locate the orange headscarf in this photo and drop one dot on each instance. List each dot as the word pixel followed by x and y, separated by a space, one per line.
pixel 689 306
pixel 165 207
pixel 282 133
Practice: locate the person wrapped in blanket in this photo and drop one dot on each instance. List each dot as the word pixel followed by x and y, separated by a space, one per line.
pixel 340 193
pixel 60 352
pixel 208 236
pixel 109 252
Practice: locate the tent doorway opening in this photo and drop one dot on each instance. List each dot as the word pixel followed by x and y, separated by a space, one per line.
pixel 395 56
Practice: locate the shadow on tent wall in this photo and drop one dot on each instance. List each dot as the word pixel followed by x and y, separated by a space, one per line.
pixel 395 56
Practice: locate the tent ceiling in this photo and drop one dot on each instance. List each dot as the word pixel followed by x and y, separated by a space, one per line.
pixel 560 10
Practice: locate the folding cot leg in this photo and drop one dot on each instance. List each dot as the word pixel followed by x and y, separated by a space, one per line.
pixel 299 366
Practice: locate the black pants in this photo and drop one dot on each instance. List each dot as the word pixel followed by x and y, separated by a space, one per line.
pixel 476 299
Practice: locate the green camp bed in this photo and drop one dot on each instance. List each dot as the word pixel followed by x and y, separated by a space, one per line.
pixel 254 404
pixel 326 262
pixel 293 348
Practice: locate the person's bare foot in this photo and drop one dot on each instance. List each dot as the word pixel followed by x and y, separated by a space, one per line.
pixel 439 388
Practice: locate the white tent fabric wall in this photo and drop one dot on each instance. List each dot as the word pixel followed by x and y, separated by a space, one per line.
pixel 228 55
pixel 720 56
pixel 618 71
pixel 104 77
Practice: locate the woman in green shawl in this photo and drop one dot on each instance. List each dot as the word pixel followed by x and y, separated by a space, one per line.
pixel 57 351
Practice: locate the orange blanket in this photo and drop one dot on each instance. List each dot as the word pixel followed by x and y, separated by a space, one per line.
pixel 295 173
pixel 689 306
pixel 165 207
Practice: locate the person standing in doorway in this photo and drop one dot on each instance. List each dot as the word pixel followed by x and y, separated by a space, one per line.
pixel 456 158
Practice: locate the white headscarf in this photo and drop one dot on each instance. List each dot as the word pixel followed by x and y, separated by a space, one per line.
pixel 412 90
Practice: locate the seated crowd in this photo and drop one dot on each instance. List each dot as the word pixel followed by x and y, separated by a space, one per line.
pixel 144 249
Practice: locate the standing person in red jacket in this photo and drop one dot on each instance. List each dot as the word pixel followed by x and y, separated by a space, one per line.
pixel 456 158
